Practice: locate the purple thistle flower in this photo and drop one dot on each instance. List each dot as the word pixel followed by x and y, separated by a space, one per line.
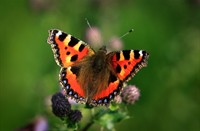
pixel 41 125
pixel 118 99
pixel 60 105
pixel 70 100
pixel 93 37
pixel 41 5
pixel 75 116
pixel 115 43
pixel 130 94
pixel 38 124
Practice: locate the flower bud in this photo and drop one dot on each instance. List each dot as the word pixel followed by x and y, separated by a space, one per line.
pixel 130 94
pixel 118 99
pixel 60 105
pixel 75 116
pixel 115 43
pixel 93 37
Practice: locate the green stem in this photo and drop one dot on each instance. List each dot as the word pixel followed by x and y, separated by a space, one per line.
pixel 96 115
pixel 88 126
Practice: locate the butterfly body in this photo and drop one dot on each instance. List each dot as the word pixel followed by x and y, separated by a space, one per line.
pixel 89 76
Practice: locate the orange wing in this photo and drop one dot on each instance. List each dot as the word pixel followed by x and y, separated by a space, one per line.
pixel 68 80
pixel 67 49
pixel 108 94
pixel 127 63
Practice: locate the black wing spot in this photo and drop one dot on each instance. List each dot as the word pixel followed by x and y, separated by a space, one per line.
pixel 126 54
pixel 62 36
pixel 73 41
pixel 112 78
pixel 74 58
pixel 118 56
pixel 81 47
pixel 75 70
pixel 145 54
pixel 54 31
pixel 118 69
pixel 136 54
pixel 67 53
pixel 65 48
pixel 125 66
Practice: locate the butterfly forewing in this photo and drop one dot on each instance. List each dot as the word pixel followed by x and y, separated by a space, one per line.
pixel 127 63
pixel 67 49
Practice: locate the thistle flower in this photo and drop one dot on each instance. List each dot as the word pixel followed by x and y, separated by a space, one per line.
pixel 70 100
pixel 60 105
pixel 115 43
pixel 41 124
pixel 130 94
pixel 93 37
pixel 118 99
pixel 38 124
pixel 40 5
pixel 75 116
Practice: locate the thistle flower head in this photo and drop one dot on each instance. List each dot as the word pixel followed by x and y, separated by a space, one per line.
pixel 93 37
pixel 41 125
pixel 130 94
pixel 118 99
pixel 60 105
pixel 116 43
pixel 37 124
pixel 40 5
pixel 75 116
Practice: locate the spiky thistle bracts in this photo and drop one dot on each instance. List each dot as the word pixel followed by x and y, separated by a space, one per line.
pixel 62 108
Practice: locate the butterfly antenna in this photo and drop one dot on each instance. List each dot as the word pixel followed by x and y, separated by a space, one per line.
pixel 88 23
pixel 91 29
pixel 131 30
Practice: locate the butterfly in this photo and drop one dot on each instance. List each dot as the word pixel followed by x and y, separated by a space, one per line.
pixel 93 77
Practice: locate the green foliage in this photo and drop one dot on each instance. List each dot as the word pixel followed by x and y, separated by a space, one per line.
pixel 108 119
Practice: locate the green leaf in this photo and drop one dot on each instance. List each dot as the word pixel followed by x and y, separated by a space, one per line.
pixel 108 119
pixel 113 106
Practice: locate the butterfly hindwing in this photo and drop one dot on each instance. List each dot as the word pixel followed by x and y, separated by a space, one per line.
pixel 127 63
pixel 68 80
pixel 108 94
pixel 66 48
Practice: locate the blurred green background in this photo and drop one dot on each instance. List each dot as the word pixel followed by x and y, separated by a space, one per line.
pixel 169 30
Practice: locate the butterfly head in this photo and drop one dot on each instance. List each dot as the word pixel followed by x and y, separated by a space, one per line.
pixel 103 49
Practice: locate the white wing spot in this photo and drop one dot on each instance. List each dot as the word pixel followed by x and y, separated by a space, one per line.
pixel 59 33
pixel 140 52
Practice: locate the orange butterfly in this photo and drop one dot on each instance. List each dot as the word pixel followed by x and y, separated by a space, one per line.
pixel 89 76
